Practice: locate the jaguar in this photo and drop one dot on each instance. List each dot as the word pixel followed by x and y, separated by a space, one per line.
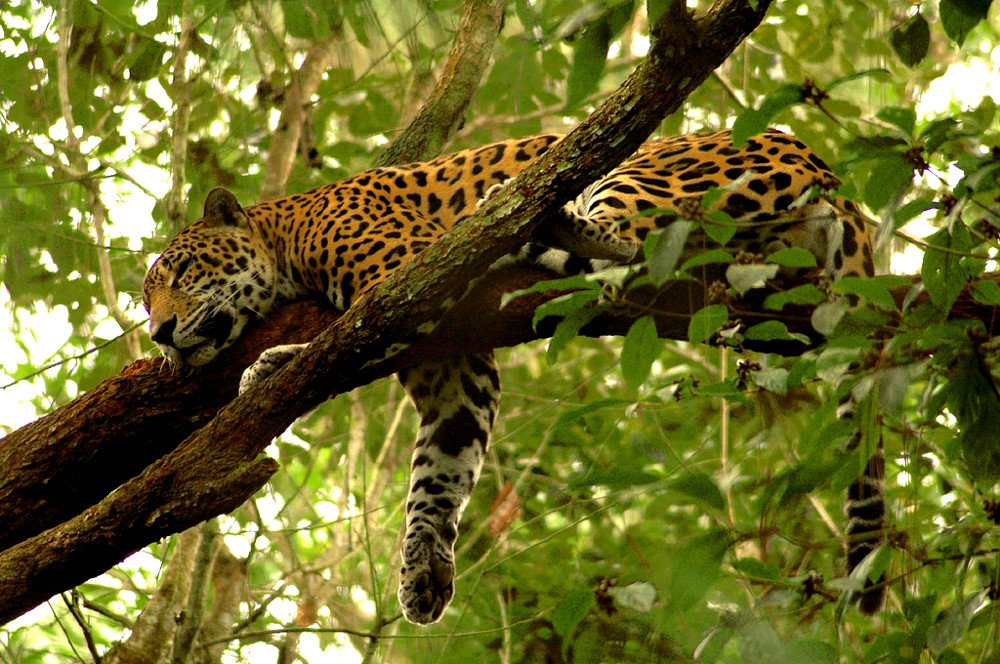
pixel 235 264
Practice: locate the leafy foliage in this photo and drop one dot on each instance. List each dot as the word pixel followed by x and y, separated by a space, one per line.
pixel 643 501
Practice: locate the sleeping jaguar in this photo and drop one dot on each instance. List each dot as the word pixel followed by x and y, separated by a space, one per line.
pixel 235 264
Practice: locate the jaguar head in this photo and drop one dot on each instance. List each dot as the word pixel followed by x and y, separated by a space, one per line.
pixel 210 281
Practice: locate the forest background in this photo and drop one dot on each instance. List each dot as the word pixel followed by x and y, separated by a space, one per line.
pixel 677 501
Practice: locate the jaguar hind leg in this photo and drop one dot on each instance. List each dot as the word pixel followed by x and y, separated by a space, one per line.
pixel 457 400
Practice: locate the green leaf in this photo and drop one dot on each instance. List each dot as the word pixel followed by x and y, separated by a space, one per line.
pixel 573 283
pixel 719 226
pixel 877 72
pixel 641 348
pixel 986 292
pixel 751 122
pixel 577 414
pixel 760 644
pixel 908 211
pixel 972 398
pixel 707 258
pixel 795 257
pixel 892 383
pixel 813 651
pixel 574 608
pixel 889 176
pixel 304 19
pixel 911 39
pixel 655 9
pixel 148 61
pixel 953 622
pixel 696 568
pixel 711 197
pixel 669 245
pixel 942 270
pixel 707 321
pixel 875 290
pixel 774 379
pixel 375 114
pixel 563 305
pixel 904 118
pixel 701 487
pixel 757 570
pixel 590 52
pixel 959 17
pixel 806 294
pixel 567 329
pixel 773 330
pixel 938 132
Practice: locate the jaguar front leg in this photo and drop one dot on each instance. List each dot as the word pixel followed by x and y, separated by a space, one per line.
pixel 267 363
pixel 457 400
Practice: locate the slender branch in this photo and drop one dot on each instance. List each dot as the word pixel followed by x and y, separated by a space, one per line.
pixel 197 599
pixel 82 624
pixel 180 91
pixel 98 210
pixel 285 143
pixel 79 356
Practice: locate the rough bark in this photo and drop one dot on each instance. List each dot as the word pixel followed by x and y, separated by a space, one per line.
pixel 218 467
pixel 152 636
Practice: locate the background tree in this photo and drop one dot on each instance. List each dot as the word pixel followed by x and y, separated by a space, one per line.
pixel 683 505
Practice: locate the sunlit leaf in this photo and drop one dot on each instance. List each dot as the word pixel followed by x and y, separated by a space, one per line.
pixel 638 596
pixel 746 277
pixel 751 122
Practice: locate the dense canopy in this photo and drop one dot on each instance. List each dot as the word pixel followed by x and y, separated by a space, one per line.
pixel 643 499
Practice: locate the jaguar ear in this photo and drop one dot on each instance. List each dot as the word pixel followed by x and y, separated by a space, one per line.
pixel 222 209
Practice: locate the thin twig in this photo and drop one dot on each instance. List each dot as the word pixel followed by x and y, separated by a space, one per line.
pixel 74 611
pixel 79 356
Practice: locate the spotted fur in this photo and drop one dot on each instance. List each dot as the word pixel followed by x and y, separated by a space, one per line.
pixel 339 240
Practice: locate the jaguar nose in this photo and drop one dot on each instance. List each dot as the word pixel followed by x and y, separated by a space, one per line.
pixel 164 332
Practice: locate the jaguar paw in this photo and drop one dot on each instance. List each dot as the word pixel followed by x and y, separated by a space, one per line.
pixel 269 361
pixel 427 580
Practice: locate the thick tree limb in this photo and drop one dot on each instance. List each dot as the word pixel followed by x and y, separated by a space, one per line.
pixel 217 468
